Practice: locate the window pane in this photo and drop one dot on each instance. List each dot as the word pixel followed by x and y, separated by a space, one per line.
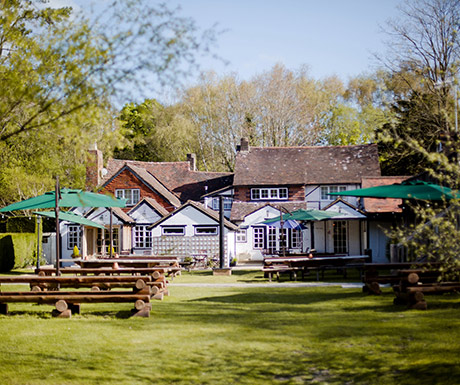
pixel 264 193
pixel 255 193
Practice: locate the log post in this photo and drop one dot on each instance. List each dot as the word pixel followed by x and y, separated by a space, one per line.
pixel 61 305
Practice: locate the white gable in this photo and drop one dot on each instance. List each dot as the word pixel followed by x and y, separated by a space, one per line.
pixel 102 216
pixel 261 215
pixel 189 216
pixel 144 213
pixel 345 211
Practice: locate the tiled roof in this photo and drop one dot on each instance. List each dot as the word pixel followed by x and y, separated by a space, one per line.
pixel 176 177
pixel 374 205
pixel 156 185
pixel 242 209
pixel 305 165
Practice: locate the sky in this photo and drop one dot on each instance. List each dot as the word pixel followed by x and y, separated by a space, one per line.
pixel 330 37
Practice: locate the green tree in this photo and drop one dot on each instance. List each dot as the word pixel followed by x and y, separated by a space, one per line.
pixel 60 74
pixel 425 56
pixel 154 133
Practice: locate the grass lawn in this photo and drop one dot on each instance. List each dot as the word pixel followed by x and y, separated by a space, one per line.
pixel 241 335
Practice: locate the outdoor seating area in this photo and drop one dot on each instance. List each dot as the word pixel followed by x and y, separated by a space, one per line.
pixel 306 263
pixel 139 286
pixel 410 282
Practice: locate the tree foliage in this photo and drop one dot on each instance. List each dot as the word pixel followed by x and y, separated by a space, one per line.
pixel 61 72
pixel 423 137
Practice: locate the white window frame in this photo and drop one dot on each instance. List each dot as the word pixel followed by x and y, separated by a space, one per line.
pixel 166 230
pixel 132 195
pixel 295 239
pixel 275 193
pixel 203 230
pixel 142 237
pixel 331 189
pixel 242 236
pixel 103 241
pixel 73 236
pixel 258 239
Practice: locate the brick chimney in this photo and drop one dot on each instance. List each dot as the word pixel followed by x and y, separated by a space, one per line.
pixel 244 146
pixel 191 158
pixel 94 166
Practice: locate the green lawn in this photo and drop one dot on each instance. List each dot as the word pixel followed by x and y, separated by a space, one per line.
pixel 242 335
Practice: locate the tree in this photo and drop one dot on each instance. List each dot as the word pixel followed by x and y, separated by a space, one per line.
pixel 154 133
pixel 425 58
pixel 277 108
pixel 61 72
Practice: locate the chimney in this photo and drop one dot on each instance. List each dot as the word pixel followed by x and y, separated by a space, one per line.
pixel 244 146
pixel 94 165
pixel 191 158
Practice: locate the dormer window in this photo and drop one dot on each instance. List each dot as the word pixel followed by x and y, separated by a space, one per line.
pixel 325 190
pixel 132 195
pixel 278 193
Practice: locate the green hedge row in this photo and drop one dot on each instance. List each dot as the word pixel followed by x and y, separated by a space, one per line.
pixel 17 250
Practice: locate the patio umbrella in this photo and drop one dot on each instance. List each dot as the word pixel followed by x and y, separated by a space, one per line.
pixel 304 215
pixel 406 190
pixel 65 198
pixel 70 217
pixel 285 224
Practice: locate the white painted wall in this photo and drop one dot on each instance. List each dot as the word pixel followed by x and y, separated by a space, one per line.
pixel 314 201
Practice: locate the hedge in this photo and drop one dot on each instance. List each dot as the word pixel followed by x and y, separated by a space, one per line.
pixel 17 250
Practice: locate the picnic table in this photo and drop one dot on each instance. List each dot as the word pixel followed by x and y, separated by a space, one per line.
pixel 142 262
pixel 318 263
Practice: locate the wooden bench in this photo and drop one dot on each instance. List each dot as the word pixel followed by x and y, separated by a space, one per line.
pixel 154 271
pixel 269 271
pixel 395 273
pixel 67 302
pixel 414 296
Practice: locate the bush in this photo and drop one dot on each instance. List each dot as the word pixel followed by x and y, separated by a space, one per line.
pixel 17 250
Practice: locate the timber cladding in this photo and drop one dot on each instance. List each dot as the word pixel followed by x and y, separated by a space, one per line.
pixel 126 180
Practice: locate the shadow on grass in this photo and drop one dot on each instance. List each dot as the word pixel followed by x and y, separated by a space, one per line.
pixel 280 296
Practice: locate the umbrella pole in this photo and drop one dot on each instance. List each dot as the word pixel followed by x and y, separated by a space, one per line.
pixel 38 240
pixel 58 233
pixel 111 235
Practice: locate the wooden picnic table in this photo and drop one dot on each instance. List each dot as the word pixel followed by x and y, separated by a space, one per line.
pixel 168 270
pixel 315 263
pixel 125 262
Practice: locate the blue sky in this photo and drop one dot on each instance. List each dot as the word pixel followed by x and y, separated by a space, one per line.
pixel 331 37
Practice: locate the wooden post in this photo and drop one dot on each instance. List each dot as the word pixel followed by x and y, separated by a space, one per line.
pixel 39 241
pixel 58 232
pixel 111 235
pixel 221 232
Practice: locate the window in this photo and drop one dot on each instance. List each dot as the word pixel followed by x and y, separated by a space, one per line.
pixel 296 240
pixel 340 237
pixel 227 204
pixel 241 236
pixel 132 196
pixel 73 237
pixel 103 241
pixel 173 230
pixel 269 193
pixel 142 237
pixel 206 230
pixel 331 189
pixel 259 237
